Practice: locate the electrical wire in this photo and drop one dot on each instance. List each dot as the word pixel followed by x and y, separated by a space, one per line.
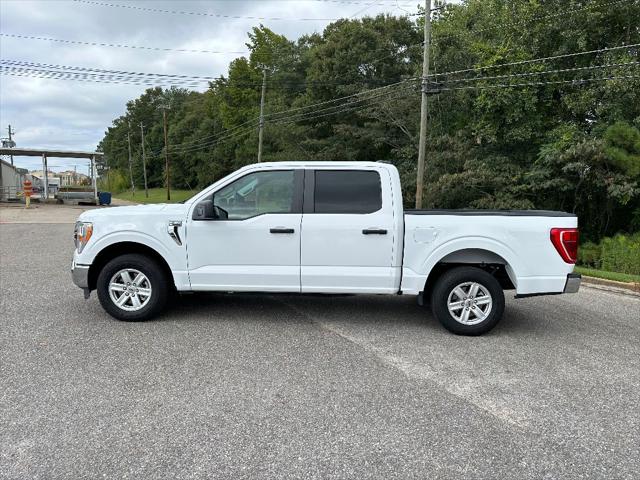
pixel 272 55
pixel 363 101
pixel 233 136
pixel 345 108
pixel 326 102
pixel 543 72
pixel 535 60
pixel 575 81
pixel 100 70
pixel 253 121
pixel 42 69
pixel 16 72
pixel 302 116
pixel 202 14
pixel 119 45
pixel 198 143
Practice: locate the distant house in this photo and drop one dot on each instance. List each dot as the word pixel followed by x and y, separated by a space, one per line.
pixel 71 177
pixel 54 182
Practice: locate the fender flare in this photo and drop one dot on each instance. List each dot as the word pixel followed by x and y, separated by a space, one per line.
pixel 513 265
pixel 128 236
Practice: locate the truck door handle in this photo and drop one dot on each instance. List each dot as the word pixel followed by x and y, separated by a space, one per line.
pixel 374 231
pixel 281 230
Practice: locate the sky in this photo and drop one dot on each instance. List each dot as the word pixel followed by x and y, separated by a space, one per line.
pixel 73 115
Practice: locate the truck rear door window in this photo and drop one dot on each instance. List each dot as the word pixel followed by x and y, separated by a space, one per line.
pixel 347 191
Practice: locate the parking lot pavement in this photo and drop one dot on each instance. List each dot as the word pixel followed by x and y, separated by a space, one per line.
pixel 249 386
pixel 41 213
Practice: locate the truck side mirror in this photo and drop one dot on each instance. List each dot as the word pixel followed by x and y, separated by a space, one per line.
pixel 205 210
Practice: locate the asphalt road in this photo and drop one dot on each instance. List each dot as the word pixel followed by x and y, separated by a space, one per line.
pixel 248 386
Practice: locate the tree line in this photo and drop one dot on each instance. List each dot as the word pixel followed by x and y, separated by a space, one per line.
pixel 505 130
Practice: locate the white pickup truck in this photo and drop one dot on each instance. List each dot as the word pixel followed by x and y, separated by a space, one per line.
pixel 323 227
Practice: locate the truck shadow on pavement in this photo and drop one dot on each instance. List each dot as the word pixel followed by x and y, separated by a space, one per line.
pixel 361 310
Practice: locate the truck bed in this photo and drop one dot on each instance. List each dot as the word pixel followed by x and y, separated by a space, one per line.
pixel 490 213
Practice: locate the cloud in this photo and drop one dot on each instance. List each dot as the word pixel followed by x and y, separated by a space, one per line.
pixel 74 115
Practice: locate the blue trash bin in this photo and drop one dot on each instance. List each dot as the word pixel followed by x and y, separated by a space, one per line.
pixel 104 198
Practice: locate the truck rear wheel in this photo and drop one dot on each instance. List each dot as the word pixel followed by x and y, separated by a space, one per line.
pixel 132 288
pixel 467 301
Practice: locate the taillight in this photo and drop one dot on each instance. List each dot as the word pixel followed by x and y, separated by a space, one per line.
pixel 566 242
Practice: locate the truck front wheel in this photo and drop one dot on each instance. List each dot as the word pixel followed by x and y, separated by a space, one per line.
pixel 467 301
pixel 132 288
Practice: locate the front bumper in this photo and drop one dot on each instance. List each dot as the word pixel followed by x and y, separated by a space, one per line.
pixel 80 275
pixel 573 283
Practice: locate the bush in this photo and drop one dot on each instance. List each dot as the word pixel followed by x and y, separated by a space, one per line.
pixel 589 255
pixel 117 182
pixel 620 253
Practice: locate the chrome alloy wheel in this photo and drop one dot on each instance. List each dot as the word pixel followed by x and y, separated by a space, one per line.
pixel 470 303
pixel 130 289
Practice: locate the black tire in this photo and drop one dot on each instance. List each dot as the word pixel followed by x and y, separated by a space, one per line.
pixel 445 286
pixel 160 287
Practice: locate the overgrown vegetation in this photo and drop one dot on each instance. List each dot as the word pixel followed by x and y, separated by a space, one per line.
pixel 618 277
pixel 548 145
pixel 156 195
pixel 620 253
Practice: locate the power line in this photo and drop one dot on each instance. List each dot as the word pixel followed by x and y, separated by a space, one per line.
pixel 100 70
pixel 382 3
pixel 216 141
pixel 299 116
pixel 575 81
pixel 200 14
pixel 119 45
pixel 295 118
pixel 543 72
pixel 339 98
pixel 359 102
pixel 272 55
pixel 535 60
pixel 114 76
pixel 199 143
pixel 17 72
pixel 253 121
pixel 387 96
pixel 345 109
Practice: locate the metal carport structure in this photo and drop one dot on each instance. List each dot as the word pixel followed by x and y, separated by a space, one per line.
pixel 53 153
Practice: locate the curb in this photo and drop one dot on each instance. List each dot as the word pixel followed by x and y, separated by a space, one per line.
pixel 612 286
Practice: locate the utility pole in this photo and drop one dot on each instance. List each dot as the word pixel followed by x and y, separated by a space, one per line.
pixel 10 140
pixel 133 187
pixel 144 162
pixel 261 124
pixel 423 108
pixel 166 150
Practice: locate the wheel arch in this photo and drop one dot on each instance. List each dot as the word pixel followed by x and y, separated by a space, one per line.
pixel 482 258
pixel 121 248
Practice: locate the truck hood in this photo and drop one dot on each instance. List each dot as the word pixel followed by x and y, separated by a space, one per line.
pixel 160 209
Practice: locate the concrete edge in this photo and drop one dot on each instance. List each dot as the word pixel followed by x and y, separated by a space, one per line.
pixel 632 289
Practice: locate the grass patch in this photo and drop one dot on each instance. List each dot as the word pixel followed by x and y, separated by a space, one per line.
pixel 618 277
pixel 156 195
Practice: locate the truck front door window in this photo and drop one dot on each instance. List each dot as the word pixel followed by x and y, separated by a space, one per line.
pixel 256 194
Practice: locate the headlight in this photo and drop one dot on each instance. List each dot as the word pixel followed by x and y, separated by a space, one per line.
pixel 82 234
